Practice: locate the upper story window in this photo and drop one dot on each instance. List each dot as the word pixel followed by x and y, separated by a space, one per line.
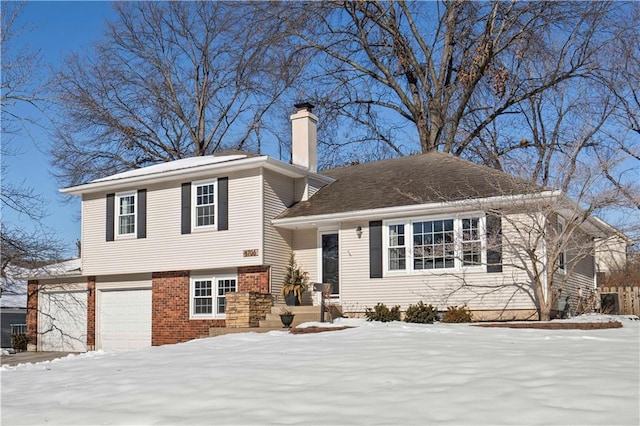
pixel 204 204
pixel 434 244
pixel 126 213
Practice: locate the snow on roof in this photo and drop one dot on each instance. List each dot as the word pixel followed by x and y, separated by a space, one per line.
pixel 184 163
pixel 68 267
pixel 14 285
pixel 14 288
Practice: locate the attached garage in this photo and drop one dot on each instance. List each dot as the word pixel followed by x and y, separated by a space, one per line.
pixel 123 319
pixel 62 321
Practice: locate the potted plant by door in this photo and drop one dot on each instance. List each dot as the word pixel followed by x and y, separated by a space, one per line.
pixel 286 316
pixel 295 283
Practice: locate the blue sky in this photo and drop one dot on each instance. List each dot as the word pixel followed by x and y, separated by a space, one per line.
pixel 55 30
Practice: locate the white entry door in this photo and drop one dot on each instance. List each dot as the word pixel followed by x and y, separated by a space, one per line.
pixel 124 319
pixel 62 321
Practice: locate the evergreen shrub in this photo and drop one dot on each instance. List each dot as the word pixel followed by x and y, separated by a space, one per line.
pixel 381 313
pixel 456 314
pixel 421 314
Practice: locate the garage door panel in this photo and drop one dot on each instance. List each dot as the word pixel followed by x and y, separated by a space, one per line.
pixel 62 321
pixel 125 319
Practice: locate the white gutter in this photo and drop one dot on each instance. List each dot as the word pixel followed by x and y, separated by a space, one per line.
pixel 196 171
pixel 387 212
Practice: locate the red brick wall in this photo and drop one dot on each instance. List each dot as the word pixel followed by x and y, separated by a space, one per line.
pixel 91 313
pixel 254 279
pixel 170 321
pixel 32 315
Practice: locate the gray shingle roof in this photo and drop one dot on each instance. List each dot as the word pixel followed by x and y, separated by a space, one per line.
pixel 416 179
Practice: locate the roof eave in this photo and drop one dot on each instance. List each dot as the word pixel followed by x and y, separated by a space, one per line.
pixel 195 172
pixel 413 209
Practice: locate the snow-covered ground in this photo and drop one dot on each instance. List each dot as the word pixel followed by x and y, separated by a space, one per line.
pixel 393 373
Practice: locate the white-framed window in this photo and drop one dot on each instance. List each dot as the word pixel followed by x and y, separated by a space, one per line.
pixel 204 204
pixel 562 256
pixel 126 214
pixel 417 244
pixel 208 295
pixel 433 244
pixel 471 243
pixel 397 250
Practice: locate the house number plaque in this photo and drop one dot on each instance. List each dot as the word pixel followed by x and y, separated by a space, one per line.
pixel 250 253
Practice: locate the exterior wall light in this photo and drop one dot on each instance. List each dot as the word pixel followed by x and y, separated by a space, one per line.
pixel 359 231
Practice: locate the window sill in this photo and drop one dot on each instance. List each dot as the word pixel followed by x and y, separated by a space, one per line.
pixel 204 229
pixel 126 237
pixel 207 317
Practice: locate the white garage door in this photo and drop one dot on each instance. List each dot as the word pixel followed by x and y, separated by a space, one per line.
pixel 62 321
pixel 124 319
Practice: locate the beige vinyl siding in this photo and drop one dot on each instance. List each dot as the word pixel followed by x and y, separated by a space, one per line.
pixel 578 279
pixel 279 192
pixel 478 289
pixel 314 186
pixel 63 284
pixel 610 253
pixel 123 282
pixel 305 242
pixel 165 248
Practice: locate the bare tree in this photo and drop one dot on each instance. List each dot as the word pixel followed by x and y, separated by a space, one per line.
pixel 20 248
pixel 171 80
pixel 420 76
pixel 20 71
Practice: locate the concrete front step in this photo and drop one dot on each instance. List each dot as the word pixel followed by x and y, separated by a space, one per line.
pixel 306 313
pixel 273 320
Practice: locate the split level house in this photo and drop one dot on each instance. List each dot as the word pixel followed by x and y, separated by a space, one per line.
pixel 165 246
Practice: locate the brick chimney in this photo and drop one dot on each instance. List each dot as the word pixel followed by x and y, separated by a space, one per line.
pixel 304 139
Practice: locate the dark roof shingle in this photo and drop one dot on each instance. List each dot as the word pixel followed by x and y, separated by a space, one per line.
pixel 416 179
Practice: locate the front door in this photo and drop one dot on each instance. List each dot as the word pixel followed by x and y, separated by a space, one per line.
pixel 330 262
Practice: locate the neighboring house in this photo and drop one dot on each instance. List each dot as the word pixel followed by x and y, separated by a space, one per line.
pixel 164 245
pixel 13 304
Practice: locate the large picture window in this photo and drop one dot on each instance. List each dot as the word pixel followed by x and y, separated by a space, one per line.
pixel 126 214
pixel 208 295
pixel 449 243
pixel 433 244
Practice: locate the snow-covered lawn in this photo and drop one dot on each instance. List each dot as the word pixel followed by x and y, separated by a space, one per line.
pixel 376 373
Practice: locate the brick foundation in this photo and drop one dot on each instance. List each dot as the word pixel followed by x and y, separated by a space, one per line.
pixel 170 321
pixel 91 313
pixel 246 309
pixel 254 279
pixel 32 315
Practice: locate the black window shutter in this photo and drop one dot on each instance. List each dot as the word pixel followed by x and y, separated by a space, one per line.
pixel 186 208
pixel 142 213
pixel 223 204
pixel 375 249
pixel 111 201
pixel 494 243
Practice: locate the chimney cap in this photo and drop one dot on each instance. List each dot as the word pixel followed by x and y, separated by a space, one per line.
pixel 304 105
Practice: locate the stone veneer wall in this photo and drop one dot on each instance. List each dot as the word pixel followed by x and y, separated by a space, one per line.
pixel 247 308
pixel 253 278
pixel 170 321
pixel 32 315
